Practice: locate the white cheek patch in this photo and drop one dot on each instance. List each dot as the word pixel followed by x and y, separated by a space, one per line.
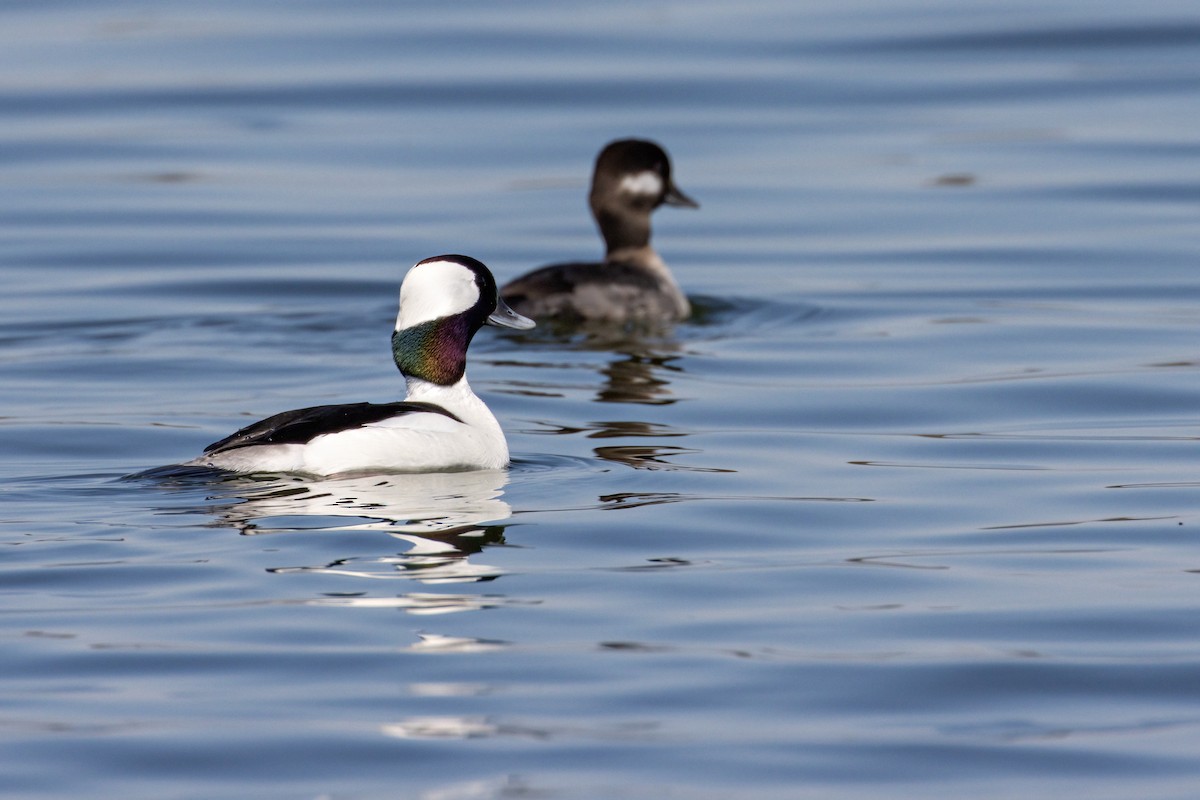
pixel 646 183
pixel 435 289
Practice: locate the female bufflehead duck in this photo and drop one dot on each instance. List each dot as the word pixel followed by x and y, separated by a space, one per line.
pixel 632 284
pixel 441 426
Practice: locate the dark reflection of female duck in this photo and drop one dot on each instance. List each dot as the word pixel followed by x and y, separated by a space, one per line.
pixel 634 372
pixel 639 372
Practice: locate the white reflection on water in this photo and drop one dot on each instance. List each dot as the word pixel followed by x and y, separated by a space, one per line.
pixel 443 517
pixel 436 643
pixel 441 728
pixel 419 603
pixel 427 503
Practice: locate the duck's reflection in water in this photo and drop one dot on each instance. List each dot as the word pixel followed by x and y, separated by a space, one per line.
pixel 637 368
pixel 444 517
pixel 646 358
pixel 639 375
pixel 635 371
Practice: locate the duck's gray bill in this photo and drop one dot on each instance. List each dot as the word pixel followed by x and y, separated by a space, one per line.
pixel 505 317
pixel 674 197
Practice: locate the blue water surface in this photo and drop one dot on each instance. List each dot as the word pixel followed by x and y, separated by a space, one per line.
pixel 909 508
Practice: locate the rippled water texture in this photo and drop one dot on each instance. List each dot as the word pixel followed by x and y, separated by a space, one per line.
pixel 908 509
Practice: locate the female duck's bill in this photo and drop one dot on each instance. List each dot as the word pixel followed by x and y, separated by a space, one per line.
pixel 441 426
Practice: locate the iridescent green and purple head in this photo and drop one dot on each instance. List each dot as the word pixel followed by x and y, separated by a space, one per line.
pixel 444 300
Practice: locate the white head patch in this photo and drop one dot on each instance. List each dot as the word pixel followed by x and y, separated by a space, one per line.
pixel 648 183
pixel 435 289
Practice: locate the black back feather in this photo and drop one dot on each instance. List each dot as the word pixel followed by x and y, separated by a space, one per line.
pixel 305 424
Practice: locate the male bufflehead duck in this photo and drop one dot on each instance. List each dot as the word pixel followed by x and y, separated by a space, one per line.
pixel 632 284
pixel 440 427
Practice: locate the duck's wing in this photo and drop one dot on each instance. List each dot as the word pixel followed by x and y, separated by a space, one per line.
pixel 305 424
